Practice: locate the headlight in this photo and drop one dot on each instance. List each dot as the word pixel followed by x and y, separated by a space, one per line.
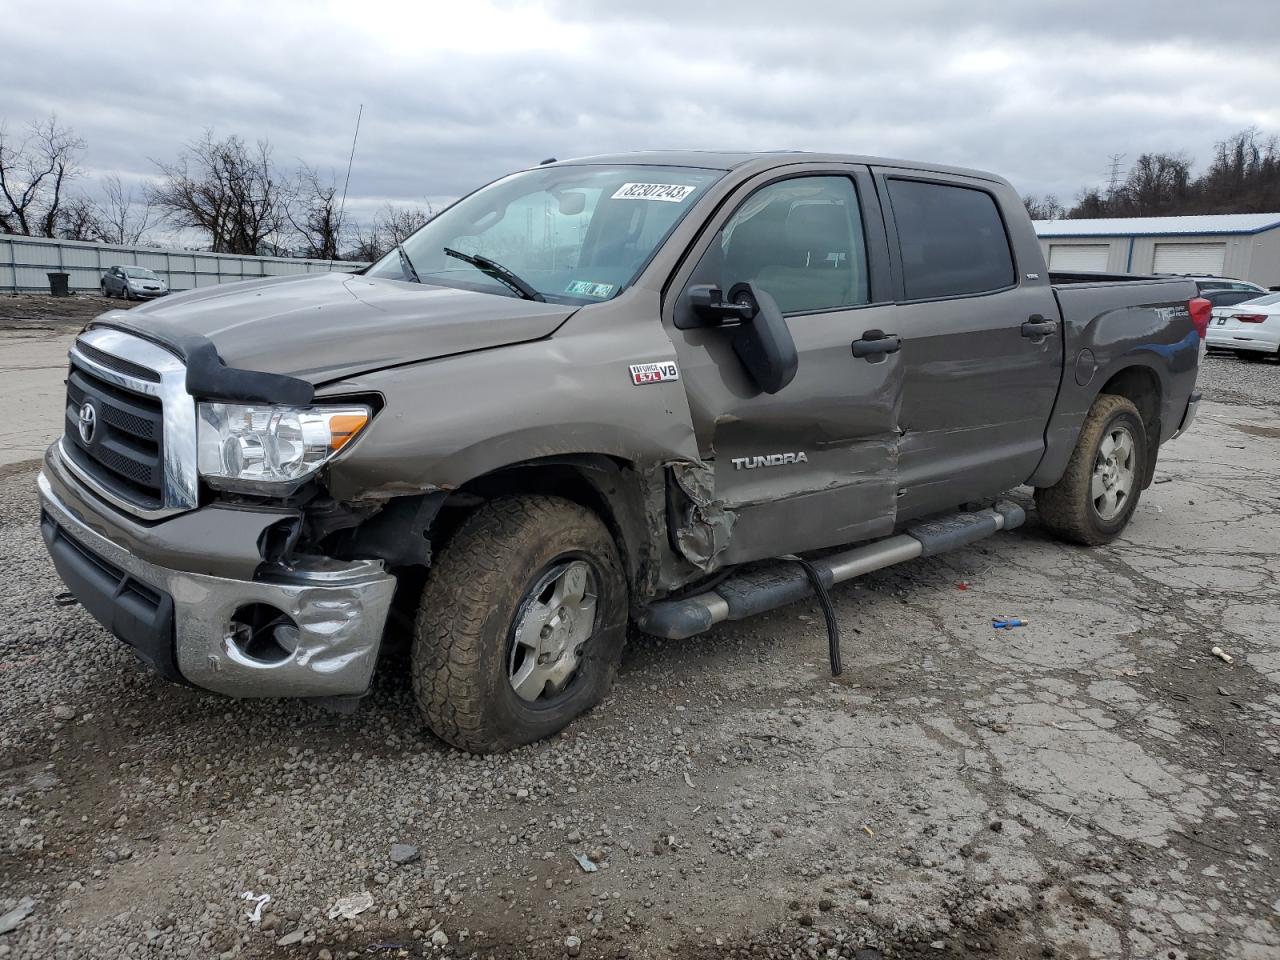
pixel 269 449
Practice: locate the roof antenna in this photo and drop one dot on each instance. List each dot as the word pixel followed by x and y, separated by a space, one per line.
pixel 350 160
pixel 546 161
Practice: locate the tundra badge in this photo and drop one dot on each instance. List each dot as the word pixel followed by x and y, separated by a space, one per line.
pixel 769 460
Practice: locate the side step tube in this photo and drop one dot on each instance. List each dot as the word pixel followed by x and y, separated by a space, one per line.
pixel 775 583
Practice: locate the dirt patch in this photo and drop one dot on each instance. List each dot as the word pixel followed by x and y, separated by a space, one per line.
pixel 40 311
pixel 1258 430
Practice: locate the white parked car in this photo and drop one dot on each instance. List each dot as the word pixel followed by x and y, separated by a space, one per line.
pixel 1250 329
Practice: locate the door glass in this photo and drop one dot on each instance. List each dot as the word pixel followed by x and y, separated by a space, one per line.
pixel 800 241
pixel 952 240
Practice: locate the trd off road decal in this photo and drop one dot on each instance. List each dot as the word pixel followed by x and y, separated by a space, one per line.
pixel 654 372
pixel 669 192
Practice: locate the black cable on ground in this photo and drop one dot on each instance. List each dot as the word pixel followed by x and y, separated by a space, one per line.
pixel 828 610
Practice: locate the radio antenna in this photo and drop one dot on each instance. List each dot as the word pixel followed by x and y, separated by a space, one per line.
pixel 350 160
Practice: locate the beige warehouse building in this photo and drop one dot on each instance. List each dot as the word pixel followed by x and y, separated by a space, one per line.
pixel 1245 246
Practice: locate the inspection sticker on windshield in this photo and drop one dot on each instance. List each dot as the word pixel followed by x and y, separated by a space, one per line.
pixel 642 373
pixel 669 192
pixel 585 288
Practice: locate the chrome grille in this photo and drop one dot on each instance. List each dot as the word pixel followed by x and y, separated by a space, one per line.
pixel 130 424
pixel 124 448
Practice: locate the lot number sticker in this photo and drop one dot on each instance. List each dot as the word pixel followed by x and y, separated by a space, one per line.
pixel 669 192
pixel 642 373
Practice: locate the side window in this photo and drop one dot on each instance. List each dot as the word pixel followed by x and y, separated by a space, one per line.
pixel 952 240
pixel 800 241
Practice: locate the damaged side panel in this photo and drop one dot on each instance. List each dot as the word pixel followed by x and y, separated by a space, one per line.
pixel 701 526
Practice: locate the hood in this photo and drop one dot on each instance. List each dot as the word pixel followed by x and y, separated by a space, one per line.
pixel 323 327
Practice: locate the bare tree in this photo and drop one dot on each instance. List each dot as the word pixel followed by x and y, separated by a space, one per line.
pixel 122 218
pixel 316 216
pixel 390 227
pixel 226 189
pixel 34 174
pixel 79 218
pixel 1044 208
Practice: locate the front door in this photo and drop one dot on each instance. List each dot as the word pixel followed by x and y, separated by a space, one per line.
pixel 816 463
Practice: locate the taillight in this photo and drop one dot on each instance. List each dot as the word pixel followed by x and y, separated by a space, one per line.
pixel 1201 310
pixel 1250 318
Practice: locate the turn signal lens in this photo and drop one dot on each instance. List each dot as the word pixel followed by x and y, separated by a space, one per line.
pixel 343 427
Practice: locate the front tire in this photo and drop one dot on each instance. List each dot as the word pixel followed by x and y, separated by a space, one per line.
pixel 1097 495
pixel 521 625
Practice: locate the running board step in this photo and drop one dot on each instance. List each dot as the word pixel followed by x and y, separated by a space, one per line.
pixel 778 582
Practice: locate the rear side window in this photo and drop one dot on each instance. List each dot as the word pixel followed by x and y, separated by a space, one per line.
pixel 952 240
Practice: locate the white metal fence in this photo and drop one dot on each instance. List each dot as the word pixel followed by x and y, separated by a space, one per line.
pixel 25 261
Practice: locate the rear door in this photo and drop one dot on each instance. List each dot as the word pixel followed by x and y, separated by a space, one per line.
pixel 982 342
pixel 815 464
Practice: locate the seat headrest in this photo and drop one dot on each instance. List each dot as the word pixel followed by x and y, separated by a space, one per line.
pixel 815 230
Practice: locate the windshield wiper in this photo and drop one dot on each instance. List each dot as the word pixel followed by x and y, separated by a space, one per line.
pixel 496 270
pixel 407 264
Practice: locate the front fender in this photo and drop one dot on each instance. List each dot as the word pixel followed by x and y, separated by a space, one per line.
pixel 451 420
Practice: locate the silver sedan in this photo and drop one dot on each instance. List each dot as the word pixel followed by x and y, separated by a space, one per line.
pixel 132 283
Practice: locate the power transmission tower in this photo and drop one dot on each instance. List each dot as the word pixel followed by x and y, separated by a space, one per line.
pixel 1113 181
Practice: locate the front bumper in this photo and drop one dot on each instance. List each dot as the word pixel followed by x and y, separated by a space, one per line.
pixel 180 622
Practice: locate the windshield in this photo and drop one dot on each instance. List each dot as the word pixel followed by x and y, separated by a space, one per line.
pixel 574 234
pixel 140 273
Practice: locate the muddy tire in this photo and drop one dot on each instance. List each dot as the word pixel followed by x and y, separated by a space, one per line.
pixel 521 624
pixel 1097 495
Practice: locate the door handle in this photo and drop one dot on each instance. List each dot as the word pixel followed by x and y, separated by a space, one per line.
pixel 875 344
pixel 1037 326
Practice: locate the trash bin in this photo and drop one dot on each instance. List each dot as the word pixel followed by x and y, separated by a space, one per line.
pixel 58 285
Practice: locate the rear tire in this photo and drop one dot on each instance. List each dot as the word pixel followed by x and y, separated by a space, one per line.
pixel 1097 495
pixel 503 569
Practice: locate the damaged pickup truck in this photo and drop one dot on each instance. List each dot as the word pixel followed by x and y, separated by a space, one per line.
pixel 626 388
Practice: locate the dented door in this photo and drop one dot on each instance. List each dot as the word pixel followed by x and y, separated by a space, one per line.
pixel 816 464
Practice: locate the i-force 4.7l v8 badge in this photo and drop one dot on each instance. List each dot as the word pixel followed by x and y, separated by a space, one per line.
pixel 654 372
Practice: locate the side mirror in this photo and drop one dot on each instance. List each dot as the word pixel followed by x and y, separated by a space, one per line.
pixel 760 338
pixel 763 342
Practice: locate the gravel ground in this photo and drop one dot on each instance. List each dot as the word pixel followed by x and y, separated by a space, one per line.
pixel 1232 380
pixel 1097 783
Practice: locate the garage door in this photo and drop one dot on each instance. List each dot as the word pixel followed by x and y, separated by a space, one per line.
pixel 1190 258
pixel 1078 256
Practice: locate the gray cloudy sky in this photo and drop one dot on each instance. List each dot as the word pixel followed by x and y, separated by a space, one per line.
pixel 458 92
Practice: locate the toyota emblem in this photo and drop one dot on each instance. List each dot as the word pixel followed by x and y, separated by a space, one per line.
pixel 88 422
